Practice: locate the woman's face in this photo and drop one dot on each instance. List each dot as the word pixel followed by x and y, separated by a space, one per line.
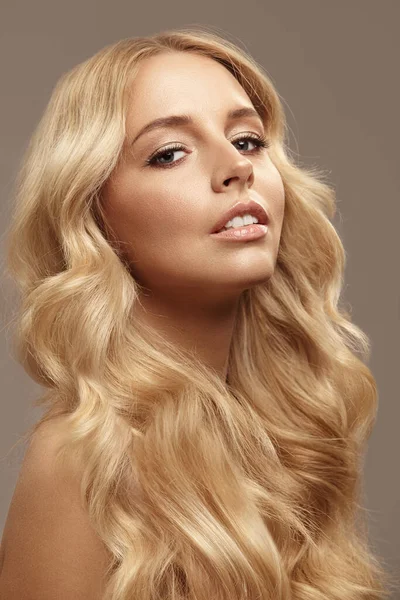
pixel 163 212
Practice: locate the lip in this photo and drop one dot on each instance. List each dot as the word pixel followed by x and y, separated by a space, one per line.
pixel 242 208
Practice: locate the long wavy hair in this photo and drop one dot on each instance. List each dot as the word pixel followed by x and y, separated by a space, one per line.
pixel 244 489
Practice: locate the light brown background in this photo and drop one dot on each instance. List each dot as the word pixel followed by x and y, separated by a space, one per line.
pixel 336 67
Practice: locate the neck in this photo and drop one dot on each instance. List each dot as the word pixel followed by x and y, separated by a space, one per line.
pixel 204 328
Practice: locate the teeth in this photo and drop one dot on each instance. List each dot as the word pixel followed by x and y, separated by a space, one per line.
pixel 240 222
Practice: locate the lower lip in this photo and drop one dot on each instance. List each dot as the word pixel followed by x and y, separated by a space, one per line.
pixel 243 234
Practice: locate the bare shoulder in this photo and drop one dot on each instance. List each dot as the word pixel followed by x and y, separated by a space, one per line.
pixel 49 548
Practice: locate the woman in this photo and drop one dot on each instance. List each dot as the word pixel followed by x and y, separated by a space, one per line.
pixel 207 384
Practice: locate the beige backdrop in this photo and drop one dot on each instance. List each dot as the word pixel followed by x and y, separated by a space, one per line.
pixel 336 67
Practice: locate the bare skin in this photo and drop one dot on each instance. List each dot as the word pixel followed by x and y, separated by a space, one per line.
pixel 49 548
pixel 163 214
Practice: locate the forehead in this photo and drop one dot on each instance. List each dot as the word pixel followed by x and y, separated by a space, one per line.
pixel 180 81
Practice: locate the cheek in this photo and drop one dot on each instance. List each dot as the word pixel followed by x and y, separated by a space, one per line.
pixel 145 213
pixel 280 194
pixel 277 193
pixel 169 203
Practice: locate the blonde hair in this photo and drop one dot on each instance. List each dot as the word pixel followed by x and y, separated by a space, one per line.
pixel 199 488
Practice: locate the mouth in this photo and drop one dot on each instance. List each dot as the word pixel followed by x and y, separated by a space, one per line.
pixel 240 209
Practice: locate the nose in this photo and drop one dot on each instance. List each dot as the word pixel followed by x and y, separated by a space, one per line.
pixel 244 174
pixel 235 170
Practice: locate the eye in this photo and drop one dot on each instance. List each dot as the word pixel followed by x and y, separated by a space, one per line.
pixel 259 141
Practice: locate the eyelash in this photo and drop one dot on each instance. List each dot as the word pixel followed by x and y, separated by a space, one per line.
pixel 261 142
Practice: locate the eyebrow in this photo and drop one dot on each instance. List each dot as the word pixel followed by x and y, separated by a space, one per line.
pixel 184 120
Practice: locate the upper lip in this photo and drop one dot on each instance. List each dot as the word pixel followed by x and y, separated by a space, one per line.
pixel 242 208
